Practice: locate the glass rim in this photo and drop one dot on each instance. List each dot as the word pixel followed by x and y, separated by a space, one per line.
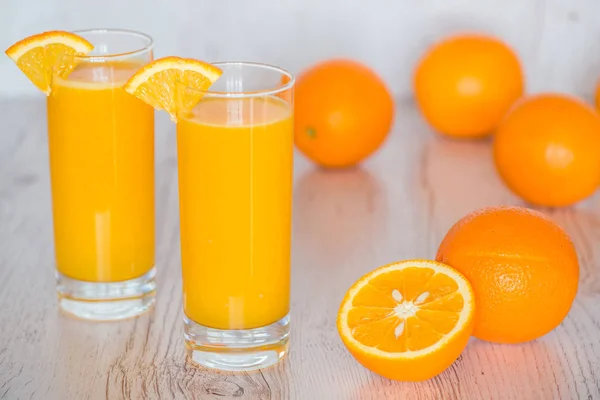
pixel 248 94
pixel 147 47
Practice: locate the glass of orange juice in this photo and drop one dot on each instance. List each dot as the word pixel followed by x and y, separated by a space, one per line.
pixel 101 146
pixel 235 154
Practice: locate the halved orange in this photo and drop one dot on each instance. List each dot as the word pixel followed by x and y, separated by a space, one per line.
pixel 163 83
pixel 42 55
pixel 408 320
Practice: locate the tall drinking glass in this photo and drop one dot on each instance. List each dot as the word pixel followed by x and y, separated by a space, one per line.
pixel 101 145
pixel 235 152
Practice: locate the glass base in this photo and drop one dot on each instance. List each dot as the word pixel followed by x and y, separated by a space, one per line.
pixel 237 350
pixel 106 301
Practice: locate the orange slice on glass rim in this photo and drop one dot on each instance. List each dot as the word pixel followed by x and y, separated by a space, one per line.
pixel 409 320
pixel 40 56
pixel 173 84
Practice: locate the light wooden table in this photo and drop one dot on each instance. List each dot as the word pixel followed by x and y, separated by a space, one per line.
pixel 397 206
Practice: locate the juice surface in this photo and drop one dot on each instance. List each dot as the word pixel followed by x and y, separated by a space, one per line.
pixel 101 143
pixel 235 184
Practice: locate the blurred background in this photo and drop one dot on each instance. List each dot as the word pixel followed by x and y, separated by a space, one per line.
pixel 556 40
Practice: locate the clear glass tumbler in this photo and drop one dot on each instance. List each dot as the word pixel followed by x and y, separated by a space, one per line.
pixel 101 146
pixel 235 154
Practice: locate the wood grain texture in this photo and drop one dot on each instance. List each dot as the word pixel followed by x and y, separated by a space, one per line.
pixel 397 206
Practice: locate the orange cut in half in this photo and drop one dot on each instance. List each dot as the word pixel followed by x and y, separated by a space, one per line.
pixel 43 55
pixel 408 320
pixel 173 84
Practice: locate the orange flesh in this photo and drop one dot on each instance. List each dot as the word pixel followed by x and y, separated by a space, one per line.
pixel 42 56
pixel 374 318
pixel 166 84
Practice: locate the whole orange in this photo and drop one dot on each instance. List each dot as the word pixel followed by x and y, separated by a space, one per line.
pixel 343 112
pixel 465 84
pixel 547 150
pixel 523 269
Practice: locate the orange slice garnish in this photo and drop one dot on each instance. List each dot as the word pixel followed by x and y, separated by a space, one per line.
pixel 43 55
pixel 408 320
pixel 163 83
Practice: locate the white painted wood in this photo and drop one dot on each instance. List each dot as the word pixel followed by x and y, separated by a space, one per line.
pixel 397 206
pixel 556 39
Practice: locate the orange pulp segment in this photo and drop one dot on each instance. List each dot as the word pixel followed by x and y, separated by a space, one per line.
pixel 173 84
pixel 408 320
pixel 42 55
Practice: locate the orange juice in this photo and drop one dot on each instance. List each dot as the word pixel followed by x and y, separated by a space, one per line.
pixel 235 187
pixel 101 143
